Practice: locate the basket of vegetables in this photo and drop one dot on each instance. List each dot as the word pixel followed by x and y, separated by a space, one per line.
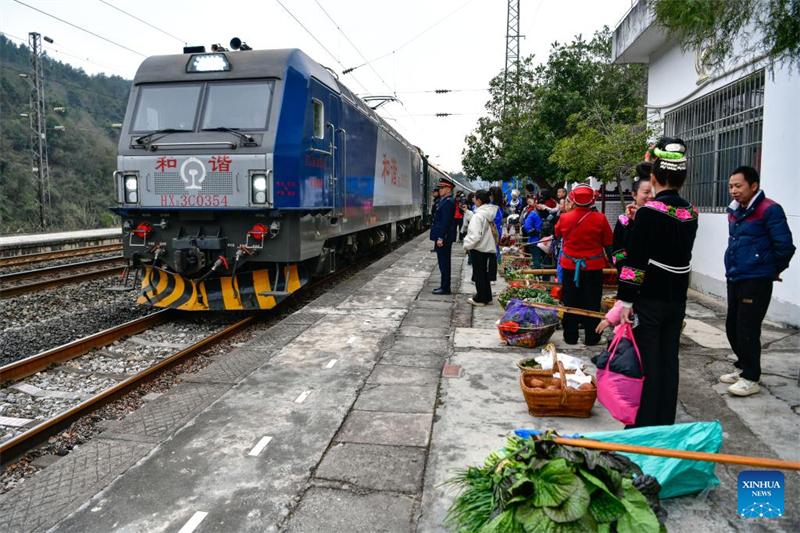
pixel 607 303
pixel 528 363
pixel 525 326
pixel 547 395
pixel 533 294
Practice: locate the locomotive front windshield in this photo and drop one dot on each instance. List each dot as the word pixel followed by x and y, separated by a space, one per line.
pixel 242 105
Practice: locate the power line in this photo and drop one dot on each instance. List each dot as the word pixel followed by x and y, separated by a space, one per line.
pixel 144 22
pixel 423 32
pixel 352 44
pixel 54 49
pixel 444 91
pixel 364 58
pixel 78 87
pixel 324 48
pixel 79 28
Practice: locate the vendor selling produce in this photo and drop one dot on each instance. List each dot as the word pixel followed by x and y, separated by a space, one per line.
pixel 654 281
pixel 586 234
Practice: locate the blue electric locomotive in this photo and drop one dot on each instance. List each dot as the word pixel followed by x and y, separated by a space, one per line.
pixel 243 174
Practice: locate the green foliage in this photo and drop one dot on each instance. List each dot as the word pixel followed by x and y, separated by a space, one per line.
pixel 742 30
pixel 82 158
pixel 540 486
pixel 543 106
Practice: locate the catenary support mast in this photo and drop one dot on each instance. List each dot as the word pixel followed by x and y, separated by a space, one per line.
pixel 38 118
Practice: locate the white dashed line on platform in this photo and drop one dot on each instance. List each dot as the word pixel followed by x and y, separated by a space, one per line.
pixel 193 522
pixel 331 363
pixel 351 340
pixel 303 395
pixel 258 448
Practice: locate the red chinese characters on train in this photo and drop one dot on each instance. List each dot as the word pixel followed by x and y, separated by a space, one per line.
pixel 389 170
pixel 165 163
pixel 220 163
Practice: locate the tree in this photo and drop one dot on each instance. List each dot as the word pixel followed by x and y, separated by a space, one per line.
pixel 523 128
pixel 742 30
pixel 603 146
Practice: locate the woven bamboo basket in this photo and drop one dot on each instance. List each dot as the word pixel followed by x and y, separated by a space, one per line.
pixel 528 363
pixel 560 402
pixel 607 303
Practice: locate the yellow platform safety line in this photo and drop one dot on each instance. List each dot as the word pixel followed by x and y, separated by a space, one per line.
pixel 261 284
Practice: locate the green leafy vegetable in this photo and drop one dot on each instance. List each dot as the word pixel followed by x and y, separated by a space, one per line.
pixel 540 486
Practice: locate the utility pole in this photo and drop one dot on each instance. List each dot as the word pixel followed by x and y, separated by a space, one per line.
pixel 512 47
pixel 38 117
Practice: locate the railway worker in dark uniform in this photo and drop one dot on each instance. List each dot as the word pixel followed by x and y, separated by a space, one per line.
pixel 587 238
pixel 654 281
pixel 443 231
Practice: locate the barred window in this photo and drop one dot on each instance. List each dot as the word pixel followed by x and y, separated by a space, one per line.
pixel 722 130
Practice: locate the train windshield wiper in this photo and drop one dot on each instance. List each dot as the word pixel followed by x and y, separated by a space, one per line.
pixel 248 140
pixel 141 140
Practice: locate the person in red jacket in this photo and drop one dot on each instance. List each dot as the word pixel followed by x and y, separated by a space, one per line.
pixel 587 240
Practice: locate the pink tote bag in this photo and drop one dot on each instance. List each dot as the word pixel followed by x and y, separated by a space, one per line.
pixel 618 393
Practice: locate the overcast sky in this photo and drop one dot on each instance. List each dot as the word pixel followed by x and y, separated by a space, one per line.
pixel 462 47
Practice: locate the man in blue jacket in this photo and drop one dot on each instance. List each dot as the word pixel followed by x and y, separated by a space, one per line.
pixel 759 249
pixel 443 231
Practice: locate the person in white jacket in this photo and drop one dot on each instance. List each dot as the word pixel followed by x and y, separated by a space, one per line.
pixel 481 243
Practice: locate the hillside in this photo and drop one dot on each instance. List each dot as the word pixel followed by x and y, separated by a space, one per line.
pixel 82 158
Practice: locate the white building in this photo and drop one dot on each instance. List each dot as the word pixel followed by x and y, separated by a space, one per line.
pixel 743 116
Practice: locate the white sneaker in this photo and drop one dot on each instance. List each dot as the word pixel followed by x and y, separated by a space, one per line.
pixel 733 377
pixel 476 304
pixel 744 387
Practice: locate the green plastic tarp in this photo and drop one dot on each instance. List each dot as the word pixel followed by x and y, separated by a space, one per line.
pixel 676 476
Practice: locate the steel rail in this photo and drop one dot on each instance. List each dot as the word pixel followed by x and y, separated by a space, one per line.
pixel 16 260
pixel 21 443
pixel 35 363
pixel 48 271
pixel 9 292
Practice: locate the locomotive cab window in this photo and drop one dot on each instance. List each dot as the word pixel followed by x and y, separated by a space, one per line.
pixel 237 105
pixel 319 119
pixel 166 106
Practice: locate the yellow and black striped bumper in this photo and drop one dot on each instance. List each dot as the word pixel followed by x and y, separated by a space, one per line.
pixel 260 289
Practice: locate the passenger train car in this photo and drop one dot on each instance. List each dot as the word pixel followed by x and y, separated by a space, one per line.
pixel 243 174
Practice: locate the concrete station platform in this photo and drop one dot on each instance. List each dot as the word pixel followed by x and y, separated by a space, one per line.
pixel 11 245
pixel 339 419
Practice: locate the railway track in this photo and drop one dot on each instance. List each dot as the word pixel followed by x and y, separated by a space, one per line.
pixel 19 370
pixel 96 268
pixel 25 368
pixel 19 260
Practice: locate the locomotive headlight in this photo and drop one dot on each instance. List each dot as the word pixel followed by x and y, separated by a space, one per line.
pixel 131 188
pixel 259 188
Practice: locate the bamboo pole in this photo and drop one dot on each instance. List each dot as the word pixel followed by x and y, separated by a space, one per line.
pixel 758 462
pixel 565 309
pixel 535 283
pixel 553 271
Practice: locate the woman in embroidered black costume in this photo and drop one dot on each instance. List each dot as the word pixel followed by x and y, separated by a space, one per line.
pixel 654 281
pixel 642 193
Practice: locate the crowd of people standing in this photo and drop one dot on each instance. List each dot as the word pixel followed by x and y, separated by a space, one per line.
pixel 651 249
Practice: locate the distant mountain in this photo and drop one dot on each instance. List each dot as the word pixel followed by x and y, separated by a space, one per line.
pixel 82 158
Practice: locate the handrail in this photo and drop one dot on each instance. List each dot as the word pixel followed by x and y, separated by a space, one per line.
pixel 154 146
pixel 333 164
pixel 344 173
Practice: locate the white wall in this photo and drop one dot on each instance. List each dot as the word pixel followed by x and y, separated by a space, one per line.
pixel 672 77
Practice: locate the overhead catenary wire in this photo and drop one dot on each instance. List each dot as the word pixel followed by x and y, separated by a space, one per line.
pixel 81 29
pixel 324 47
pixel 78 87
pixel 364 58
pixel 66 51
pixel 184 41
pixel 423 32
